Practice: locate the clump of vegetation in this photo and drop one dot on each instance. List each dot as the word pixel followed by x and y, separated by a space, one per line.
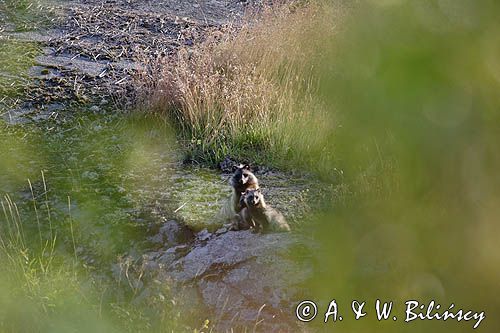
pixel 249 90
pixel 36 283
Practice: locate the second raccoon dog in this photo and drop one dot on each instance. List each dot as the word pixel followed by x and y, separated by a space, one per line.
pixel 260 215
pixel 242 180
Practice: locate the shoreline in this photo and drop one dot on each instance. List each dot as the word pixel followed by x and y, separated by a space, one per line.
pixel 90 53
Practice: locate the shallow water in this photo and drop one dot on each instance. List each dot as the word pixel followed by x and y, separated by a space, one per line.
pixel 119 170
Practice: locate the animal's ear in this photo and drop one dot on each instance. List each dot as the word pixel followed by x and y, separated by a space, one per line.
pixel 235 167
pixel 246 166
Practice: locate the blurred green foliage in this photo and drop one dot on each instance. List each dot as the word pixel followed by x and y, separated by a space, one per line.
pixel 71 205
pixel 415 84
pixel 412 87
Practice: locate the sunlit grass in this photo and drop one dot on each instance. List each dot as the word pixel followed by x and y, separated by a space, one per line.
pixel 249 90
pixel 37 283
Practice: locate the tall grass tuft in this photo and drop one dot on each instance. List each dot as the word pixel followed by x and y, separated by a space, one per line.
pixel 41 288
pixel 249 89
pixel 27 278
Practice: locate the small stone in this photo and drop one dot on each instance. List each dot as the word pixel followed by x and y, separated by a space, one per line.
pixel 95 108
pixel 203 235
pixel 222 230
pixel 174 233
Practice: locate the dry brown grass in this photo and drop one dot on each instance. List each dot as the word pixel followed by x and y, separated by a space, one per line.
pixel 249 90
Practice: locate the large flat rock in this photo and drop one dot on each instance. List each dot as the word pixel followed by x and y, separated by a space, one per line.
pixel 243 279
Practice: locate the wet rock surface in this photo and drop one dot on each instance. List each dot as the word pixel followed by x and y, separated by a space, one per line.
pixel 243 279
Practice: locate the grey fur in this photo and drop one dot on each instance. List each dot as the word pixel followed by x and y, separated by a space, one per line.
pixel 260 215
pixel 242 180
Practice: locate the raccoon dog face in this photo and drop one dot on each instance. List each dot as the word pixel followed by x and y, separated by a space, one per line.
pixel 241 174
pixel 253 197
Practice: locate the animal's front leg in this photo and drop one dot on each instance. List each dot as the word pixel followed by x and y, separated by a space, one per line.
pixel 256 227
